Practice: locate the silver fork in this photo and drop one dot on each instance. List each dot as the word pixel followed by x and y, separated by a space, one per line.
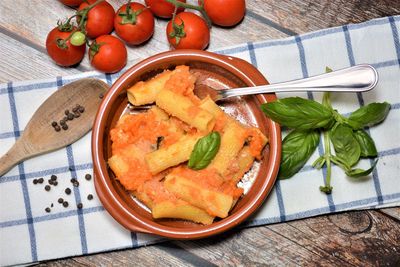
pixel 359 78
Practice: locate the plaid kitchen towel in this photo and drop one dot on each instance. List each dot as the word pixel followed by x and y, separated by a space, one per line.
pixel 29 234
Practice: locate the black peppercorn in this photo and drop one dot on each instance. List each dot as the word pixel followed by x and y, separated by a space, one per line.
pixel 67 191
pixel 88 176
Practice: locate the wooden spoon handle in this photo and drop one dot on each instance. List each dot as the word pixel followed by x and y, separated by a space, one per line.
pixel 13 156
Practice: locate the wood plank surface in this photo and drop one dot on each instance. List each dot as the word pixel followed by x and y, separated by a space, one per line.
pixel 357 238
pixel 304 16
pixel 34 34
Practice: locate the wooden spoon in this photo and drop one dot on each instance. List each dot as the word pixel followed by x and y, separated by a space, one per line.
pixel 40 136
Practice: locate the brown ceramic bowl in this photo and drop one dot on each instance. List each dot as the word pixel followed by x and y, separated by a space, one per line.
pixel 220 71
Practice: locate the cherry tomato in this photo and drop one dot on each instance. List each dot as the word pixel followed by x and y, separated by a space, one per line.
pixel 108 54
pixel 100 19
pixel 162 8
pixel 64 55
pixel 225 12
pixel 71 2
pixel 191 31
pixel 78 38
pixel 134 25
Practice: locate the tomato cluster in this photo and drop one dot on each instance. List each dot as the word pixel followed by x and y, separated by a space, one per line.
pixel 134 24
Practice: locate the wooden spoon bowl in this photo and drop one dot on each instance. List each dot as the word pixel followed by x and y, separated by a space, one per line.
pixel 39 135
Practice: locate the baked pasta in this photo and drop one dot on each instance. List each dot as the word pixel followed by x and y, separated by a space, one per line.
pixel 151 150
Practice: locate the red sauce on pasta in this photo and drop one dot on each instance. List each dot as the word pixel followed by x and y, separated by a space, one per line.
pixel 136 135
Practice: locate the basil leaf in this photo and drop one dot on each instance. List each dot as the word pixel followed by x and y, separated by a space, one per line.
pixel 297 148
pixel 356 173
pixel 366 143
pixel 327 69
pixel 299 113
pixel 204 151
pixel 368 115
pixel 345 144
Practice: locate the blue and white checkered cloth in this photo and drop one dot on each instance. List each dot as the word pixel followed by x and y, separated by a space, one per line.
pixel 29 234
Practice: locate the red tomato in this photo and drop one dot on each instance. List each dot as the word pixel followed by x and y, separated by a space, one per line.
pixel 67 56
pixel 139 28
pixel 193 32
pixel 108 54
pixel 100 19
pixel 162 8
pixel 71 2
pixel 225 12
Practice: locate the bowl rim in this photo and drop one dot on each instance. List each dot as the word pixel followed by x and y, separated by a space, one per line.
pixel 107 193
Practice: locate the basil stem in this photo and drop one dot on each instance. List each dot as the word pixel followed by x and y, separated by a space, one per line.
pixel 327 147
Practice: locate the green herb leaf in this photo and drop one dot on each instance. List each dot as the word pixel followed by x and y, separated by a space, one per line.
pixel 327 69
pixel 368 115
pixel 356 173
pixel 366 143
pixel 299 113
pixel 345 144
pixel 297 148
pixel 204 151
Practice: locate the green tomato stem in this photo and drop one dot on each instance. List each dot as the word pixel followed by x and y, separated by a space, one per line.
pixel 69 19
pixel 82 14
pixel 201 9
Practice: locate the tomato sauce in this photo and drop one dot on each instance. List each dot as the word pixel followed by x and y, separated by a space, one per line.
pixel 135 135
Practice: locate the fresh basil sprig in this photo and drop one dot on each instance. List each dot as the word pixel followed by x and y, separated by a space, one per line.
pixel 309 118
pixel 297 148
pixel 204 151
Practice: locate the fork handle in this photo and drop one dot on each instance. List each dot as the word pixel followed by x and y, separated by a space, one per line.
pixel 358 78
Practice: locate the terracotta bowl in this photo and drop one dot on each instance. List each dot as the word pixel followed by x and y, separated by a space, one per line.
pixel 221 72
